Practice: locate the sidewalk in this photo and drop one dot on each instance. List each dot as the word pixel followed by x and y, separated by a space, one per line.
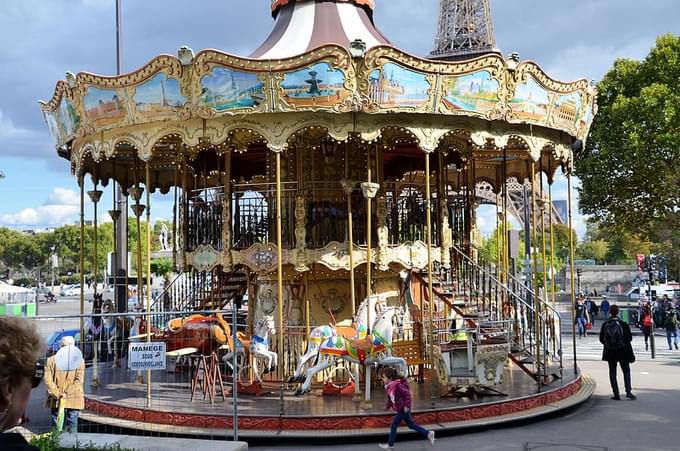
pixel 648 424
pixel 149 443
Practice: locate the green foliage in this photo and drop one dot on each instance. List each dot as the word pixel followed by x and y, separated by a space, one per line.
pixel 162 267
pixel 50 442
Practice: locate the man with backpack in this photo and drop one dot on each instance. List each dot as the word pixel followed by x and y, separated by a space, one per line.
pixel 616 337
pixel 671 324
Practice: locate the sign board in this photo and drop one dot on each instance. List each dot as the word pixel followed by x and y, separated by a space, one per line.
pixel 146 356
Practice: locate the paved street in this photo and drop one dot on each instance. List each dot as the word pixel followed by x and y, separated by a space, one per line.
pixel 648 423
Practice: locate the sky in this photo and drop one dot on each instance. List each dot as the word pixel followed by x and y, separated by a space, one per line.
pixel 42 39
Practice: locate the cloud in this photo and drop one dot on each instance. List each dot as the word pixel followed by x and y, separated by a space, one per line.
pixel 60 207
pixel 63 196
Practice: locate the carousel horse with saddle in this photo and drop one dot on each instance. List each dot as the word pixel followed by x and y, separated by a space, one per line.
pixel 374 304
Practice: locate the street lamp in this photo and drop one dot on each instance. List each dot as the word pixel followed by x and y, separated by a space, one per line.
pixel 2 175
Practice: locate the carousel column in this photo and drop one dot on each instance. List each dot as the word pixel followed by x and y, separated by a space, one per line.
pixel 348 187
pixel 81 182
pixel 369 190
pixel 555 321
pixel 571 270
pixel 537 299
pixel 95 195
pixel 226 214
pixel 430 288
pixel 148 276
pixel 279 264
pixel 138 209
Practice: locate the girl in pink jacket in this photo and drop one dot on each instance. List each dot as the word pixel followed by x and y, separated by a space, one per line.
pixel 399 399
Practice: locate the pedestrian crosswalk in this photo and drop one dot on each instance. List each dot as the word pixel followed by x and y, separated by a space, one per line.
pixel 590 348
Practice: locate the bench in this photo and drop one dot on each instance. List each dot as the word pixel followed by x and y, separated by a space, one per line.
pixel 412 352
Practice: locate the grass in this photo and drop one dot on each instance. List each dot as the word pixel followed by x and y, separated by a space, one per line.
pixel 50 442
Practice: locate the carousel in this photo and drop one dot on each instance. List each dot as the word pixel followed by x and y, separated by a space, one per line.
pixel 326 188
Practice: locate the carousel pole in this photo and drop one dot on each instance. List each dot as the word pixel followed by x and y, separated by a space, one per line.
pixel 430 288
pixel 348 186
pixel 138 209
pixel 81 181
pixel 95 195
pixel 545 277
pixel 537 316
pixel 571 270
pixel 279 264
pixel 556 327
pixel 369 190
pixel 148 276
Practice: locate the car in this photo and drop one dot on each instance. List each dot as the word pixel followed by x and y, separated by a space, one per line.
pixel 71 290
pixel 54 342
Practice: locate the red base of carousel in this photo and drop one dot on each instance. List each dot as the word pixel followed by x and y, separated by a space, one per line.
pixel 312 414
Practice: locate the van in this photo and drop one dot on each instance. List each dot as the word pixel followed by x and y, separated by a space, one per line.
pixel 658 291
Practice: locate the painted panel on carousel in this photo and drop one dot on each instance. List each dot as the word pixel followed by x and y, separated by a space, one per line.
pixel 51 120
pixel 104 107
pixel 396 86
pixel 531 101
pixel 317 85
pixel 226 89
pixel 476 92
pixel 159 98
pixel 69 117
pixel 566 111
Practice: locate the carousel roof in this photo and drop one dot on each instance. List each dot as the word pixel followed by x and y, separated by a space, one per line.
pixel 306 76
pixel 304 25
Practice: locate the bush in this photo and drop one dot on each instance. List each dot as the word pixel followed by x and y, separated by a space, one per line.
pixel 24 282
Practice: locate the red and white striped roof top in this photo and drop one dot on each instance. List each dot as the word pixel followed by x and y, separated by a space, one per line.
pixel 304 25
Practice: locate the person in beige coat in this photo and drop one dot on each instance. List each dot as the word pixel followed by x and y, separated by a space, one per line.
pixel 66 385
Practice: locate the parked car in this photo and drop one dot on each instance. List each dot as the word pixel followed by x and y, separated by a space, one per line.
pixel 54 342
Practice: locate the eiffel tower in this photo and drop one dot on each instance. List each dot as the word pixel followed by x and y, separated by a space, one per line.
pixel 465 30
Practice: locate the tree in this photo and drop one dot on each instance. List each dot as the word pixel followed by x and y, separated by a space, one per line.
pixel 594 250
pixel 630 169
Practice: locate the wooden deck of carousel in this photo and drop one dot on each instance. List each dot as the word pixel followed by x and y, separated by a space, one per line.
pixel 121 402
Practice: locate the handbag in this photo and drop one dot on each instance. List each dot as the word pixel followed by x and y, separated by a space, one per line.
pixel 589 325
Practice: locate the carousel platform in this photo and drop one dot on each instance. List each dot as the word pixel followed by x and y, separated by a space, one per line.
pixel 121 402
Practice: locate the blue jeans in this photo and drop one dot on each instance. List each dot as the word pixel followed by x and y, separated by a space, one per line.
pixel 70 419
pixel 581 323
pixel 408 419
pixel 674 334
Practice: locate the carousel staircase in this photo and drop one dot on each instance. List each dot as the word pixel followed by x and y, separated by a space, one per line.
pixel 195 291
pixel 484 299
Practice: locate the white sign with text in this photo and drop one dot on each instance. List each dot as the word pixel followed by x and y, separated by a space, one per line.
pixel 146 356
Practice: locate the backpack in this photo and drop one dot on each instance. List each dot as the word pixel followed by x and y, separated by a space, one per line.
pixel 672 319
pixel 647 321
pixel 613 335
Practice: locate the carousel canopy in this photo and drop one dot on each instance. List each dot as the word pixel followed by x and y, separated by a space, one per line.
pixel 306 77
pixel 304 25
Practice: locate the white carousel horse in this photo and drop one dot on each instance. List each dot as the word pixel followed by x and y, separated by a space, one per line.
pixel 375 348
pixel 318 335
pixel 258 347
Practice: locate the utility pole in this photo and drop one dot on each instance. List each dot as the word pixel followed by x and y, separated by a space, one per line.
pixel 120 200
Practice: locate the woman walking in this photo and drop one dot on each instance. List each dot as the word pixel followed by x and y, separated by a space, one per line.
pixel 399 399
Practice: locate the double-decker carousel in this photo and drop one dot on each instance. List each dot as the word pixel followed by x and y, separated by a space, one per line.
pixel 333 179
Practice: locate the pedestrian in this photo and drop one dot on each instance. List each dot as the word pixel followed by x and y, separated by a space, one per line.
pixel 604 307
pixel 646 324
pixel 616 337
pixel 399 400
pixel 671 324
pixel 65 386
pixel 20 371
pixel 581 318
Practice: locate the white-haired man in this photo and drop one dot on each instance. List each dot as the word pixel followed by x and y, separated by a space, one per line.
pixel 66 386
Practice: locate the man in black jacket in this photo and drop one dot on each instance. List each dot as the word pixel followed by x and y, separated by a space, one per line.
pixel 616 337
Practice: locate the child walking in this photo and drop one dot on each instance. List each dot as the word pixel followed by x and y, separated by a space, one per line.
pixel 399 399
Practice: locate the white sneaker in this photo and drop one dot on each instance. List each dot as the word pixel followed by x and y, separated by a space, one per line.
pixel 430 437
pixel 385 446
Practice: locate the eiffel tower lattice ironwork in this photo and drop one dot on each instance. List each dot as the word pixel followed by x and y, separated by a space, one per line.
pixel 465 30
